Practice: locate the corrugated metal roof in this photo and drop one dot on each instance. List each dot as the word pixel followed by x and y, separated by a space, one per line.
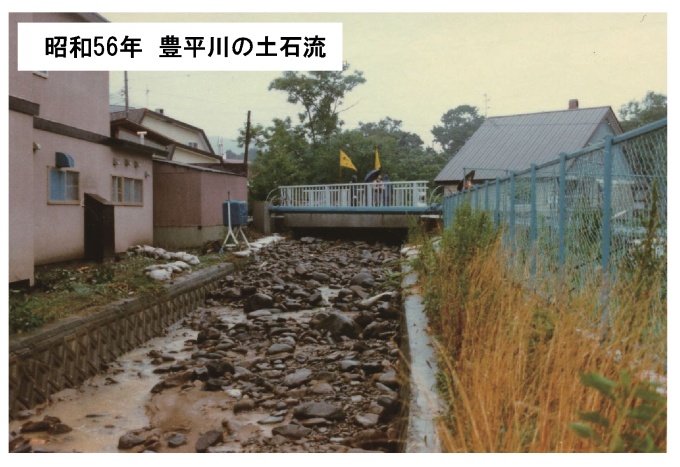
pixel 503 144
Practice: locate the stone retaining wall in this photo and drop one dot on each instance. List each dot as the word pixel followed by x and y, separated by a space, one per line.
pixel 65 354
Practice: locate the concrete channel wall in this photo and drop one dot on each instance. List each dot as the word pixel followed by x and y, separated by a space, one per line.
pixel 70 351
pixel 425 407
pixel 65 354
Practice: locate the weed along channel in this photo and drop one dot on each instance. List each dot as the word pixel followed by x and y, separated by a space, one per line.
pixel 303 348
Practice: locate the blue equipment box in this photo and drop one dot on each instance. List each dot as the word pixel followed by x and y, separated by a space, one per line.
pixel 238 210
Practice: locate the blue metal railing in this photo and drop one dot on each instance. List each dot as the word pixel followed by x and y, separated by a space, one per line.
pixel 586 209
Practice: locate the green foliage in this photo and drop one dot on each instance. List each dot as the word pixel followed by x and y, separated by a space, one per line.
pixel 281 161
pixel 638 113
pixel 288 159
pixel 22 313
pixel 63 290
pixel 471 233
pixel 391 129
pixel 523 190
pixel 320 93
pixel 639 419
pixel 458 125
pixel 645 266
pixel 308 153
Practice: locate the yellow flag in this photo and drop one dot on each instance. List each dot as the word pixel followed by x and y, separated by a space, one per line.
pixel 346 162
pixel 377 159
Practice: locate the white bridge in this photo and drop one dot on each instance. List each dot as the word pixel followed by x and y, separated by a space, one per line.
pixel 355 205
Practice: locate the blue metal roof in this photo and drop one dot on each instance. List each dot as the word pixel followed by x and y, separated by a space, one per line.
pixel 513 143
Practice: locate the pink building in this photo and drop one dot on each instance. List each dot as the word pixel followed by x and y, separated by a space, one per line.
pixel 189 198
pixel 190 182
pixel 74 192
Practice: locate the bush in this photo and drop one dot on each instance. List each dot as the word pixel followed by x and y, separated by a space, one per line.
pixel 445 263
pixel 23 316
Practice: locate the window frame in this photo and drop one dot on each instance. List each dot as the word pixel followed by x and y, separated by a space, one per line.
pixel 119 183
pixel 65 188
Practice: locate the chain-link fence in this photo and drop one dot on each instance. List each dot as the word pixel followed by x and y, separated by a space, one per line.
pixel 586 211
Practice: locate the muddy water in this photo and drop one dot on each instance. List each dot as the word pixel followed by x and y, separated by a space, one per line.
pixel 108 405
pixel 192 412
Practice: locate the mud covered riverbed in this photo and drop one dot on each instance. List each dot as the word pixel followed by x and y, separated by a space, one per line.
pixel 297 352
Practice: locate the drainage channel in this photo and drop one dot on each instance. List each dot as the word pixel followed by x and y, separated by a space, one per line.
pixel 161 398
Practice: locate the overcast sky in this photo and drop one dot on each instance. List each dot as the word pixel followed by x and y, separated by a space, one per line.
pixel 419 65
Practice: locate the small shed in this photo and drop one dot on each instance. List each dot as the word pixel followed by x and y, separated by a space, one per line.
pixel 189 198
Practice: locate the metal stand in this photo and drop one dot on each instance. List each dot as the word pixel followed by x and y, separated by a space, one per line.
pixel 232 233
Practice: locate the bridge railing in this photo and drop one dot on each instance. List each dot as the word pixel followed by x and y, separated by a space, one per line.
pixel 347 195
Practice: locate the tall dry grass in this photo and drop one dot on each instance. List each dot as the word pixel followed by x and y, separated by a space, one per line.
pixel 512 355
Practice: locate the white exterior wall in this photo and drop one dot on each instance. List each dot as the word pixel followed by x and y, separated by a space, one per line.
pixel 183 155
pixel 180 134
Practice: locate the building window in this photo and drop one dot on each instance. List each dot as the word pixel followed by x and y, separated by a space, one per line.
pixel 192 144
pixel 64 186
pixel 127 190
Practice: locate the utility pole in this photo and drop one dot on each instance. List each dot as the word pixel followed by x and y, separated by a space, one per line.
pixel 245 155
pixel 486 105
pixel 127 105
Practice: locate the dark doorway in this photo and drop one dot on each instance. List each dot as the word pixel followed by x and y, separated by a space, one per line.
pixel 99 228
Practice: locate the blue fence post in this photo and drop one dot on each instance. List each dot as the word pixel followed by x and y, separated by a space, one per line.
pixel 533 229
pixel 562 207
pixel 497 213
pixel 607 202
pixel 444 211
pixel 486 196
pixel 606 227
pixel 452 200
pixel 448 201
pixel 512 209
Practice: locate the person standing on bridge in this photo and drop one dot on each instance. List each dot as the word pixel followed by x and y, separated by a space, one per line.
pixel 353 191
pixel 378 190
pixel 387 198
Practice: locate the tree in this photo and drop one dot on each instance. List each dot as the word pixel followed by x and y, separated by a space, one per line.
pixel 647 157
pixel 389 127
pixel 638 113
pixel 282 160
pixel 401 152
pixel 320 93
pixel 457 126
